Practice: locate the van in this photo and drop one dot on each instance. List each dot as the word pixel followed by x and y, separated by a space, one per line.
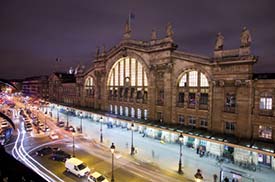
pixel 77 167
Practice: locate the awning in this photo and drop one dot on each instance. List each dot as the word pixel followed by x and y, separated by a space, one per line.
pixel 268 147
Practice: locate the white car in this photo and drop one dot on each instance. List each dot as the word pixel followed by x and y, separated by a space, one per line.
pixel 54 136
pixel 97 177
pixel 77 167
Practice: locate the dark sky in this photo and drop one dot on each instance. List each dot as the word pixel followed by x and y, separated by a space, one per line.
pixel 34 32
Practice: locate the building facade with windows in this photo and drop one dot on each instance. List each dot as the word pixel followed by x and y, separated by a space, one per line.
pixel 36 87
pixel 216 98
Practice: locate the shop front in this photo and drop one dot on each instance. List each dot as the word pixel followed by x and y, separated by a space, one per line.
pixel 228 152
pixel 264 160
pixel 190 142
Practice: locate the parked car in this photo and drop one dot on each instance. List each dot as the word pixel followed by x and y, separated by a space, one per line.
pixel 60 155
pixel 54 136
pixel 61 124
pixel 77 167
pixel 44 151
pixel 70 128
pixel 97 177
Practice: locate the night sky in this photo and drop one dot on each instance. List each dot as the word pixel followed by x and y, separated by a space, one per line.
pixel 33 33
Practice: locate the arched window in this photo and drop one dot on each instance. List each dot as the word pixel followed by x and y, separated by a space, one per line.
pixel 193 90
pixel 266 103
pixel 89 87
pixel 128 78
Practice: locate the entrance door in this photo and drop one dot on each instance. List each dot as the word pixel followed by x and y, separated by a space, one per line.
pixel 264 160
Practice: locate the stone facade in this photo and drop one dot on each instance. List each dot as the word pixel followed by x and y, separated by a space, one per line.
pixel 153 81
pixel 36 87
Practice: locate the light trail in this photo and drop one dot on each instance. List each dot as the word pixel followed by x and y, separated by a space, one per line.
pixel 19 152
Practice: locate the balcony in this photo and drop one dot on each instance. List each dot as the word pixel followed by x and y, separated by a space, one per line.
pixel 203 106
pixel 266 112
pixel 180 104
pixel 230 109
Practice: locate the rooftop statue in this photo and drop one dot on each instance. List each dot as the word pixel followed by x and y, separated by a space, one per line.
pixel 169 30
pixel 219 42
pixel 245 38
pixel 153 35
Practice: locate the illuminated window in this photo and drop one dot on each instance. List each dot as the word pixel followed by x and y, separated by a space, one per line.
pixel 132 112
pixel 111 109
pixel 203 81
pixel 183 81
pixel 126 111
pixel 266 103
pixel 121 110
pixel 128 68
pixel 89 87
pixel 139 113
pixel 265 132
pixel 193 79
pixel 145 114
pixel 116 109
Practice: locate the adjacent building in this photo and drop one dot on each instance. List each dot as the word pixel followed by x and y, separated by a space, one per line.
pixel 36 87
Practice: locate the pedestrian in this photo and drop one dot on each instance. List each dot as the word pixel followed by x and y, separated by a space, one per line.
pixel 198 175
pixel 226 179
pixel 215 177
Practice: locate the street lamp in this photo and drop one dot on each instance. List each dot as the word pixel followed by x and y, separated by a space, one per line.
pixel 57 113
pixel 113 151
pixel 180 167
pixel 67 109
pixel 80 122
pixel 132 141
pixel 101 135
pixel 73 133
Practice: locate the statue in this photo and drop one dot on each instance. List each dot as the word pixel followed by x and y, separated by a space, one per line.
pixel 97 51
pixel 219 42
pixel 245 38
pixel 127 30
pixel 153 35
pixel 169 30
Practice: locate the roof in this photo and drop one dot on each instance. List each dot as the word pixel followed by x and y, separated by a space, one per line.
pixel 74 160
pixel 66 77
pixel 96 174
pixel 263 76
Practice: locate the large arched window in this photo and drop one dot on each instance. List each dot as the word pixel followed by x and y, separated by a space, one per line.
pixel 89 87
pixel 193 88
pixel 127 81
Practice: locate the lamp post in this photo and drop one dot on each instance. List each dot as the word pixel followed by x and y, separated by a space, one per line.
pixel 113 151
pixel 67 109
pixel 101 135
pixel 180 167
pixel 132 140
pixel 73 144
pixel 57 114
pixel 80 122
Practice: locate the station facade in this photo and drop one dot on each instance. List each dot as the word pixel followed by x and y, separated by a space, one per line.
pixel 217 102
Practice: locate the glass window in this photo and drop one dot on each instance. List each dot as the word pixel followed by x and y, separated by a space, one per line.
pixel 121 73
pixel 230 126
pixel 204 122
pixel 183 81
pixel 181 97
pixel 126 111
pixel 192 98
pixel 116 109
pixel 121 110
pixel 139 113
pixel 116 75
pixel 127 67
pixel 111 109
pixel 133 72
pixel 193 79
pixel 181 119
pixel 266 103
pixel 203 98
pixel 204 81
pixel 139 74
pixel 265 132
pixel 132 112
pixel 192 121
pixel 145 114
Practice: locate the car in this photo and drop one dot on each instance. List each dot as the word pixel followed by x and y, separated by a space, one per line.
pixel 28 127
pixel 44 151
pixel 4 124
pixel 97 177
pixel 61 124
pixel 54 136
pixel 77 167
pixel 70 128
pixel 60 155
